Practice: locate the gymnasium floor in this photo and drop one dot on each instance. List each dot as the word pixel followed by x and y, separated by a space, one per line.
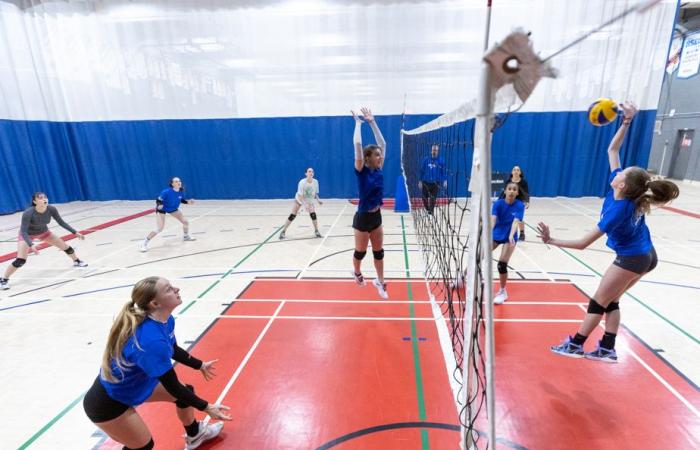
pixel 308 360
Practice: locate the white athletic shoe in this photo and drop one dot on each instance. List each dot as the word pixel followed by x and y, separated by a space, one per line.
pixel 359 279
pixel 206 433
pixel 4 284
pixel 187 237
pixel 282 235
pixel 457 283
pixel 381 288
pixel 500 297
pixel 79 263
pixel 143 246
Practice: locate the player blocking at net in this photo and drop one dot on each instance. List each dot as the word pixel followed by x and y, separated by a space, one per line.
pixel 367 221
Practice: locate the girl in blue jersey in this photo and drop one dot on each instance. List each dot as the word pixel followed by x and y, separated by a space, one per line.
pixel 518 177
pixel 622 220
pixel 506 215
pixel 168 202
pixel 367 221
pixel 137 367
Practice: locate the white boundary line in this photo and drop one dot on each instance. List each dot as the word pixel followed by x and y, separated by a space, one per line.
pixel 663 382
pixel 258 317
pixel 327 233
pixel 243 363
pixel 544 272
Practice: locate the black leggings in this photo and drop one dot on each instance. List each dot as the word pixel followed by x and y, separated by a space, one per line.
pixel 430 192
pixel 99 406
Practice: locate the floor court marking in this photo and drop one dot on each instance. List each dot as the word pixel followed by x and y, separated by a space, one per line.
pixel 189 305
pixel 681 211
pixel 661 380
pixel 243 363
pixel 541 270
pixel 328 233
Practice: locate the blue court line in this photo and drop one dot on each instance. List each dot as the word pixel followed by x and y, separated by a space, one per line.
pixel 663 283
pixel 25 304
pixel 242 271
pixel 97 290
pixel 104 243
pixel 188 277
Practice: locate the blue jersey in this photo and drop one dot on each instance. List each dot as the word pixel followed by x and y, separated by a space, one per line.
pixel 627 232
pixel 171 199
pixel 370 183
pixel 145 362
pixel 432 170
pixel 505 215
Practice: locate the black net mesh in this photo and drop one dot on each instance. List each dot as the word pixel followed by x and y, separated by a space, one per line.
pixel 438 190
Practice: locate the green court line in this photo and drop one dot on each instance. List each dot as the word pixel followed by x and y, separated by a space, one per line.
pixel 206 291
pixel 414 344
pixel 649 308
pixel 36 435
pixel 77 400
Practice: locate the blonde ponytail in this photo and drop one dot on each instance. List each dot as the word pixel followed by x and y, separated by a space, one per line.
pixel 128 319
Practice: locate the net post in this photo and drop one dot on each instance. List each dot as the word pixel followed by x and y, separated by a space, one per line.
pixel 484 114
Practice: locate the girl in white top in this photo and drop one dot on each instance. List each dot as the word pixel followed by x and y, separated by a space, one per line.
pixel 307 193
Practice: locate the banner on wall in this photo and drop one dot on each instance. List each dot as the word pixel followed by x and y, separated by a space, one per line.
pixel 690 56
pixel 674 55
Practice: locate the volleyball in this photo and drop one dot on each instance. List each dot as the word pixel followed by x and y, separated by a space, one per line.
pixel 602 112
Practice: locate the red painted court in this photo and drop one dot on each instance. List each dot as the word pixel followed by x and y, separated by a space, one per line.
pixel 317 364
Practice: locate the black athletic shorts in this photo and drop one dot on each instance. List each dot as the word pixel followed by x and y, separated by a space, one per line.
pixel 367 221
pixel 638 263
pixel 99 406
pixel 160 211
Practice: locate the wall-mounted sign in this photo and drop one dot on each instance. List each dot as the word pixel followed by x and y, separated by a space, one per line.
pixel 690 56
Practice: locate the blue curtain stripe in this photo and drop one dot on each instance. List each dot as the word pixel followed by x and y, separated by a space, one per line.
pixel 263 158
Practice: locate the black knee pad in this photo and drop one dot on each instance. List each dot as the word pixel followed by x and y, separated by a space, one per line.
pixel 378 254
pixel 19 262
pixel 313 216
pixel 69 250
pixel 150 446
pixel 359 255
pixel 180 404
pixel 502 267
pixel 291 217
pixel 612 307
pixel 595 308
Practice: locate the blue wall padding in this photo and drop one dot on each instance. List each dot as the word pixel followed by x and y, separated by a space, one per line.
pixel 560 153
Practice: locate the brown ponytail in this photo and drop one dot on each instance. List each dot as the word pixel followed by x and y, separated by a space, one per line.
pixel 638 183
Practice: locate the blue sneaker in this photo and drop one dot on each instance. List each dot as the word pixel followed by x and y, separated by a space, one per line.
pixel 568 348
pixel 603 354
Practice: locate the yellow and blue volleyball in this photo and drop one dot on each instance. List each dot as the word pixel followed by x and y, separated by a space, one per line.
pixel 602 112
